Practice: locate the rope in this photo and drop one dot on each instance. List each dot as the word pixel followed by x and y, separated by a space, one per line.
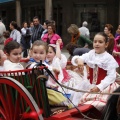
pixel 76 90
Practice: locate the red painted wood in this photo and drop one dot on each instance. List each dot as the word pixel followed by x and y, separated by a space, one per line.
pixel 23 92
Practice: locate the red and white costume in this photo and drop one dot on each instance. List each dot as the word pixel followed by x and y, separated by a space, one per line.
pixel 66 77
pixel 105 66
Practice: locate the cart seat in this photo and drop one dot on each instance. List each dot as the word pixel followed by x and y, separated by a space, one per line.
pixel 71 114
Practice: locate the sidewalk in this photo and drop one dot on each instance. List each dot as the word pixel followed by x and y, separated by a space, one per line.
pixel 65 52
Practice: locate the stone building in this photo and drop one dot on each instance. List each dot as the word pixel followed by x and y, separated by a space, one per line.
pixel 96 12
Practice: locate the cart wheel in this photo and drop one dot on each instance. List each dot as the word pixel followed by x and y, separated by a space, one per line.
pixel 15 100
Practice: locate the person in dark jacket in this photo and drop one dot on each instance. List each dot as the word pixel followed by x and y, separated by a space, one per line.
pixel 37 30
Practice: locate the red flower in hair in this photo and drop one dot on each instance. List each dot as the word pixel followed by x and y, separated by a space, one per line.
pixel 7 41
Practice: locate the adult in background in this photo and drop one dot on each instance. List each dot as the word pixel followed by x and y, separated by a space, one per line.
pixel 31 25
pixel 108 30
pixel 74 49
pixel 25 41
pixel 2 29
pixel 78 39
pixel 117 31
pixel 37 30
pixel 15 33
pixel 46 22
pixel 84 30
pixel 51 37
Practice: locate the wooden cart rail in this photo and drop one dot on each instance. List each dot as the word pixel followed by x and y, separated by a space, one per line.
pixel 13 107
pixel 37 88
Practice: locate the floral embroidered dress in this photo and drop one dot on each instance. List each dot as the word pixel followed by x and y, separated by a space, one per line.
pixel 102 74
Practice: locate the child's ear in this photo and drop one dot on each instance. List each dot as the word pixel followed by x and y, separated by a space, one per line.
pixel 7 54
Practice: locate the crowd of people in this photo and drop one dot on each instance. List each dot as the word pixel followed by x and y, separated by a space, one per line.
pixel 94 70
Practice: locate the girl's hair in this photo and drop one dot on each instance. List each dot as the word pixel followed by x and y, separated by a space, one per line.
pixel 53 27
pixel 110 27
pixel 11 46
pixel 53 48
pixel 104 35
pixel 38 43
pixel 71 47
pixel 6 34
pixel 73 29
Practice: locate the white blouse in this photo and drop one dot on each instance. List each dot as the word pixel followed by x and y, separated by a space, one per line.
pixel 8 65
pixel 104 61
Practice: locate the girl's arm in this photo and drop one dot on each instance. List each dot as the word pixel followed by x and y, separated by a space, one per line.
pixel 58 51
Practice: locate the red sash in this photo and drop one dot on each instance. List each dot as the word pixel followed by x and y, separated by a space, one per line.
pixel 101 75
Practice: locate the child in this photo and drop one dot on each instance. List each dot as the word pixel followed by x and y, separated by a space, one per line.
pixel 102 72
pixel 38 52
pixel 66 77
pixel 13 52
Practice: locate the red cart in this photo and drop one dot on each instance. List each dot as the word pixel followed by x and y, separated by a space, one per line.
pixel 23 95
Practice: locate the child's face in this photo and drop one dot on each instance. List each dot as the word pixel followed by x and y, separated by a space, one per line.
pixel 38 53
pixel 50 54
pixel 99 44
pixel 15 55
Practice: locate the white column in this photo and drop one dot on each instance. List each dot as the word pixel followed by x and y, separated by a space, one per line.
pixel 18 12
pixel 48 9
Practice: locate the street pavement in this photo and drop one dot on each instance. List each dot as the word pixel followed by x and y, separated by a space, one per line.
pixel 65 52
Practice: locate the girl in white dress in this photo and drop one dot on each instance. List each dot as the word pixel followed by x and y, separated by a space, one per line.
pixel 38 52
pixel 65 77
pixel 13 51
pixel 102 68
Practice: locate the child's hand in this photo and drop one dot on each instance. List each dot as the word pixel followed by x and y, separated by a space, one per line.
pixel 56 71
pixel 59 41
pixel 95 89
pixel 54 86
pixel 115 53
pixel 80 72
pixel 80 65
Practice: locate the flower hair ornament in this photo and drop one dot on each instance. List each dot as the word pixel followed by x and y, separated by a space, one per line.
pixel 52 45
pixel 7 41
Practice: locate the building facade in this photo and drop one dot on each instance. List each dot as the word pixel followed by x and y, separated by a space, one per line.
pixel 65 12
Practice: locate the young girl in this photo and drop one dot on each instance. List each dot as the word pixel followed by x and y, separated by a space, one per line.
pixel 13 52
pixel 66 77
pixel 102 72
pixel 38 52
